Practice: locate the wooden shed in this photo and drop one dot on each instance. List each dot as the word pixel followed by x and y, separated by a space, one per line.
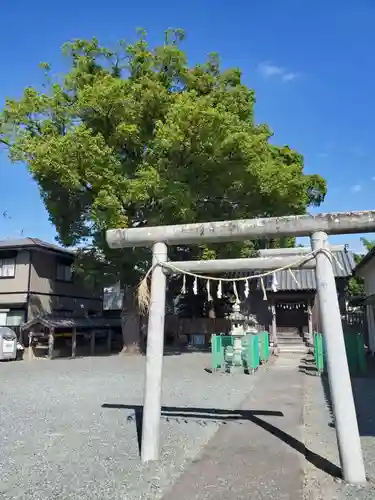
pixel 48 330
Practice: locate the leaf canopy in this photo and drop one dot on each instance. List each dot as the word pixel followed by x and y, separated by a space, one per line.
pixel 137 136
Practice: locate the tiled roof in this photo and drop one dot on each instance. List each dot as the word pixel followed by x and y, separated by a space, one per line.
pixel 306 277
pixel 33 242
pixel 51 321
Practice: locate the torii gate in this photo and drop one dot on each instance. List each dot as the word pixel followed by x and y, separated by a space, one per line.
pixel 317 227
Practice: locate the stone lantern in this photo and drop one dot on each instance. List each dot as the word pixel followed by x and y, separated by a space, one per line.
pixel 241 325
pixel 238 321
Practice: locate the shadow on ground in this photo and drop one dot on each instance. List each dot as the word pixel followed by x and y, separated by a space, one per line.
pixel 363 392
pixel 364 399
pixel 202 415
pixel 176 351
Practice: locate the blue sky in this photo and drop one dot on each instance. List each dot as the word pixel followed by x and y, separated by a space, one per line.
pixel 310 62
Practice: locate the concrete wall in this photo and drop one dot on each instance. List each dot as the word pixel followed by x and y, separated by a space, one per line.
pixel 18 299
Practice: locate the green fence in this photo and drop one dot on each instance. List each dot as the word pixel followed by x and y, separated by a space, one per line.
pixel 355 352
pixel 251 353
pixel 255 352
pixel 218 344
pixel 318 352
pixel 264 347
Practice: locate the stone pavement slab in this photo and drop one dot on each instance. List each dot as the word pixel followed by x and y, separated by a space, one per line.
pixel 258 454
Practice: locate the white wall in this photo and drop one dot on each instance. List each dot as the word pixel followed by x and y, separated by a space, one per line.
pixel 367 272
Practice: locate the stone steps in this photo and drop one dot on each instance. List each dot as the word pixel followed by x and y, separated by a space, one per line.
pixel 300 348
pixel 289 335
pixel 291 342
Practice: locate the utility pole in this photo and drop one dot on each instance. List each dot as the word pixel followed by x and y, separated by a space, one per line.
pixel 346 425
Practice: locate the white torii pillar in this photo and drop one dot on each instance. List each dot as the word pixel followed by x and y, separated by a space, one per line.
pixel 154 358
pixel 346 424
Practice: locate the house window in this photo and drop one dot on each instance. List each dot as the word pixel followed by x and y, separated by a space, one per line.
pixel 15 317
pixel 64 272
pixel 12 317
pixel 7 268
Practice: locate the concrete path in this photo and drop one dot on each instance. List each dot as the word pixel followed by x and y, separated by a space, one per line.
pixel 259 453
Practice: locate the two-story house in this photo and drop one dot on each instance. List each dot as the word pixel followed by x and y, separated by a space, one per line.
pixel 37 278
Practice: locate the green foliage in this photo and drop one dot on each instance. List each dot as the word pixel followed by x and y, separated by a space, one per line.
pixel 136 136
pixel 368 244
pixel 356 286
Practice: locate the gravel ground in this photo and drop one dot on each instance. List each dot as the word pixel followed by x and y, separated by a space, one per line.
pixel 59 442
pixel 320 438
pixel 68 428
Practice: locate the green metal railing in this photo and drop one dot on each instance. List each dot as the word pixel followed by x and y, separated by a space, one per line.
pixel 355 352
pixel 218 344
pixel 255 352
pixel 318 352
pixel 264 347
pixel 251 353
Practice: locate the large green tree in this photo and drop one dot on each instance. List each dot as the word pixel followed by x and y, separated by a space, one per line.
pixel 137 136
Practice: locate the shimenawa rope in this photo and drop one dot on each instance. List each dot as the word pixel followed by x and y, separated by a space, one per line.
pixel 143 292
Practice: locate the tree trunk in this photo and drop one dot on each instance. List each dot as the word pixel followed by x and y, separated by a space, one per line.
pixel 130 323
